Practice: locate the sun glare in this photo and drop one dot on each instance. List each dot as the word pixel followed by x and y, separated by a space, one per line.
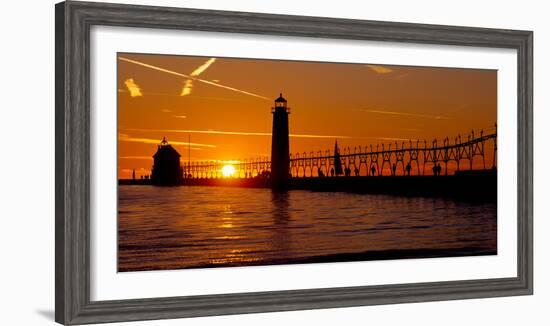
pixel 228 171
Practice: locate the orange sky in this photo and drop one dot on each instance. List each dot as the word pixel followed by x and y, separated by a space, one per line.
pixel 225 105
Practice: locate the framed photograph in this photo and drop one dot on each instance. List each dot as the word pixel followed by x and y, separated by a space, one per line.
pixel 214 162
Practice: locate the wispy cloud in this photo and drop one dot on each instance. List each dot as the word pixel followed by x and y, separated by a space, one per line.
pixel 316 136
pixel 395 139
pixel 410 129
pixel 133 88
pixel 406 114
pixel 127 138
pixel 187 87
pixel 219 132
pixel 380 69
pixel 226 99
pixel 238 133
pixel 400 77
pixel 180 116
pixel 192 77
pixel 135 157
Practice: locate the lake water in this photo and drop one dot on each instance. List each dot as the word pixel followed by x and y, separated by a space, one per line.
pixel 192 227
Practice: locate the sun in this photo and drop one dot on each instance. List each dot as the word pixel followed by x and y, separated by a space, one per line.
pixel 228 171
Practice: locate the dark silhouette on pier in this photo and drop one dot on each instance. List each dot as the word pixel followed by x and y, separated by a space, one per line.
pixel 167 169
pixel 337 161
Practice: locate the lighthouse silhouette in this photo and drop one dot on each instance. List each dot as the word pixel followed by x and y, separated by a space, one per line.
pixel 280 159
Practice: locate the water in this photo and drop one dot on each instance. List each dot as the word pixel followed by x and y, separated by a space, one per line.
pixel 190 227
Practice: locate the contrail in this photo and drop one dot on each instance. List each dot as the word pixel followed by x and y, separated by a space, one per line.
pixel 191 77
pixel 188 86
pixel 240 133
pixel 203 67
pixel 438 117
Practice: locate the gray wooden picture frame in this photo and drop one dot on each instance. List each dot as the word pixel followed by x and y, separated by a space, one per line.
pixel 72 179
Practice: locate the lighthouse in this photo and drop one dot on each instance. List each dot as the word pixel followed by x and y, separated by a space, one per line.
pixel 280 154
pixel 167 170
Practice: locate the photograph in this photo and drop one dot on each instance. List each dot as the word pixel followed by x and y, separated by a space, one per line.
pixel 233 162
pixel 269 163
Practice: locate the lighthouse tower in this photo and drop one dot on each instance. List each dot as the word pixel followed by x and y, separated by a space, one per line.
pixel 280 154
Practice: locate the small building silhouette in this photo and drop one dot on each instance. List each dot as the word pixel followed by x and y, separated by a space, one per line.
pixel 167 169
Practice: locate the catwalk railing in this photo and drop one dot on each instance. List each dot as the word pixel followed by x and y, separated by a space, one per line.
pixel 397 159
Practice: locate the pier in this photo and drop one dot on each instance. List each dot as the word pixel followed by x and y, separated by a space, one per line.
pixel 458 167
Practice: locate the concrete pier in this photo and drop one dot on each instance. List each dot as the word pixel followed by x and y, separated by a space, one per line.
pixel 472 185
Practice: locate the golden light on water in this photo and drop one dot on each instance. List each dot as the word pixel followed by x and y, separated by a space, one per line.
pixel 228 171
